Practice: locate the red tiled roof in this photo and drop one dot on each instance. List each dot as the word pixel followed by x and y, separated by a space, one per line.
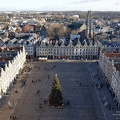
pixel 28 27
pixel 17 48
pixel 5 59
pixel 112 54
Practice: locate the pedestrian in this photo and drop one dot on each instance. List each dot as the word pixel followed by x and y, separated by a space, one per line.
pixel 16 91
pixel 99 87
pixel 20 114
pixel 68 102
pixel 15 117
pixel 112 108
pixel 96 85
pixel 10 116
pixel 80 84
pixel 104 99
pixel 109 108
pixel 44 101
pixel 40 106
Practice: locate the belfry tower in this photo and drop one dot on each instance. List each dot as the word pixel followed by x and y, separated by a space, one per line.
pixel 88 24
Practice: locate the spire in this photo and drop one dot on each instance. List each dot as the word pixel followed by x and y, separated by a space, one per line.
pixel 79 43
pixel 63 43
pixel 70 43
pixel 56 43
pixel 84 41
pixel 42 43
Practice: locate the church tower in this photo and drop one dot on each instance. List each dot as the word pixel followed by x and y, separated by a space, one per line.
pixel 88 24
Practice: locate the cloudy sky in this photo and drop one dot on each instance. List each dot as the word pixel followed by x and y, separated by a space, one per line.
pixel 60 5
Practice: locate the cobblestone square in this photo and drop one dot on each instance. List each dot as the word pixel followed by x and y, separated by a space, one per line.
pixel 75 81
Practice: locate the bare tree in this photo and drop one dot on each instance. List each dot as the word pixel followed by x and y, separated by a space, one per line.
pixel 56 30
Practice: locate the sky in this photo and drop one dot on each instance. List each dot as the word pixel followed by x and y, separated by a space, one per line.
pixel 60 5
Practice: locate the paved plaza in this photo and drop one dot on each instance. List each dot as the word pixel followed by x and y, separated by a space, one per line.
pixel 75 78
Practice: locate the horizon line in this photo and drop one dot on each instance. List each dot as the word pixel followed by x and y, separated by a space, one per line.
pixel 59 10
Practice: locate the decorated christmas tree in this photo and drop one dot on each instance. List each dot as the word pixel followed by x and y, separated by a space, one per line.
pixel 55 97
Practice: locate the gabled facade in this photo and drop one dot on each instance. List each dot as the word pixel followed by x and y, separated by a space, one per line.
pixel 29 48
pixel 60 50
pixel 10 69
pixel 109 64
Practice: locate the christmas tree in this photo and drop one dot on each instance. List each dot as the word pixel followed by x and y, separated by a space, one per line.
pixel 55 97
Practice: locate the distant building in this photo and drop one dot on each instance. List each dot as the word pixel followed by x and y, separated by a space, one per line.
pixel 3 33
pixel 2 46
pixel 73 36
pixel 30 45
pixel 28 29
pixel 37 29
pixel 24 39
pixel 76 16
pixel 62 38
pixel 11 35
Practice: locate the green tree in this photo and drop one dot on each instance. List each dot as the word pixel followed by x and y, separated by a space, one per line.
pixel 55 97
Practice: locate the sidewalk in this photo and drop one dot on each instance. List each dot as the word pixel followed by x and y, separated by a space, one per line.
pixel 104 92
pixel 12 98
